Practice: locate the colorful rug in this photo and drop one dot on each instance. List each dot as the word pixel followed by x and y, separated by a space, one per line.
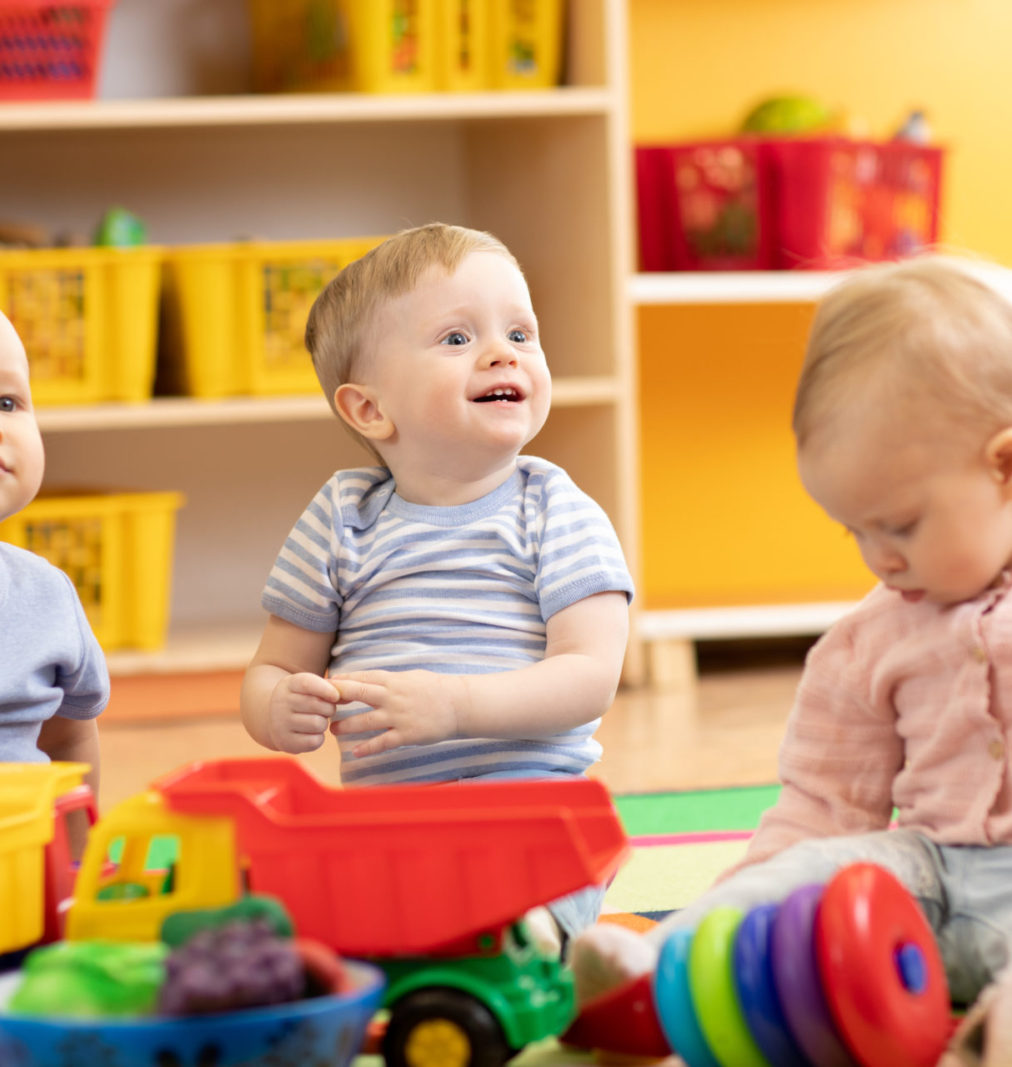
pixel 681 842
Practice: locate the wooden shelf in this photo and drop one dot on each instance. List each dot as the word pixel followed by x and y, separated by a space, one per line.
pixel 199 649
pixel 731 287
pixel 188 411
pixel 761 287
pixel 741 621
pixel 301 108
pixel 545 170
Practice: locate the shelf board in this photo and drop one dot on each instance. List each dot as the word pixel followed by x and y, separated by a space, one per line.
pixel 302 108
pixel 745 621
pixel 192 650
pixel 764 287
pixel 731 287
pixel 182 411
pixel 189 411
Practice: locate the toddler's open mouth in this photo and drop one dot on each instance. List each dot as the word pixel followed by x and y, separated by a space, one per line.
pixel 504 393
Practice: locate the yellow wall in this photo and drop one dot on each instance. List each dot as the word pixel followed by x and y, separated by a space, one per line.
pixel 724 517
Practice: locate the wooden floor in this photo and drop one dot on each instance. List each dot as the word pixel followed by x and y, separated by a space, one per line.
pixel 723 732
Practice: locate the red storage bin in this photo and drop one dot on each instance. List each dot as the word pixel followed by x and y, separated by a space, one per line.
pixel 51 51
pixel 755 203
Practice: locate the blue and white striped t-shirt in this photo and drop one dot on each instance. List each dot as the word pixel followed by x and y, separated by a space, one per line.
pixel 455 590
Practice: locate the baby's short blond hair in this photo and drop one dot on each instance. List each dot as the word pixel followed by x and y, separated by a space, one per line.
pixel 340 316
pixel 925 328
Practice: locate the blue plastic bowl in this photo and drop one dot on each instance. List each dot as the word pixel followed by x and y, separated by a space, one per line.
pixel 327 1029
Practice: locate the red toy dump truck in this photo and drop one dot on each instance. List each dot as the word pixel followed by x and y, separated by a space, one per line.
pixel 430 882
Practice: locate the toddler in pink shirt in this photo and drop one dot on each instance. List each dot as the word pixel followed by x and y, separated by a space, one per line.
pixel 903 423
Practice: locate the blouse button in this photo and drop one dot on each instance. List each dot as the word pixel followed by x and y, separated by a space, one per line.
pixel 996 749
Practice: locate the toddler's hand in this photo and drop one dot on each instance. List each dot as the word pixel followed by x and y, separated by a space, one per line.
pixel 407 707
pixel 299 713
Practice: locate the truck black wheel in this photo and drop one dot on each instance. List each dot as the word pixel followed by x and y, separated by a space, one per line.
pixel 443 1028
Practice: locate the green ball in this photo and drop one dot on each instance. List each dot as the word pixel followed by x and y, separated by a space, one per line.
pixel 120 228
pixel 786 115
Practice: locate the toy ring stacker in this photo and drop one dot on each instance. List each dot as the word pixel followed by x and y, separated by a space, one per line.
pixel 798 982
pixel 753 973
pixel 838 976
pixel 673 999
pixel 711 979
pixel 881 970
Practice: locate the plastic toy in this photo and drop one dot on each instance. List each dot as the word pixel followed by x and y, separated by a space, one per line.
pixel 91 978
pixel 427 881
pixel 36 871
pixel 836 976
pixel 326 1029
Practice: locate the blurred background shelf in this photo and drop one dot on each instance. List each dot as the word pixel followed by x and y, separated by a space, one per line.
pixel 546 170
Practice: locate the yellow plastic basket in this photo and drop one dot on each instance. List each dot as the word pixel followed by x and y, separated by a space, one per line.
pixel 28 792
pixel 379 46
pixel 235 315
pixel 525 38
pixel 463 46
pixel 117 549
pixel 88 318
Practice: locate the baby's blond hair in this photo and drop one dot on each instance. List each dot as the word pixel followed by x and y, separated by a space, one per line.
pixel 342 313
pixel 924 329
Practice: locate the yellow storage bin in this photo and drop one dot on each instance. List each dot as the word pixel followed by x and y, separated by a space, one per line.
pixel 117 549
pixel 28 792
pixel 463 47
pixel 88 318
pixel 379 46
pixel 525 38
pixel 235 315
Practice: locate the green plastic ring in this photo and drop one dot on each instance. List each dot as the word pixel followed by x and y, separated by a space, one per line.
pixel 711 981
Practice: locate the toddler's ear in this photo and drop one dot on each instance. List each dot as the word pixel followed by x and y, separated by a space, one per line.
pixel 360 409
pixel 998 455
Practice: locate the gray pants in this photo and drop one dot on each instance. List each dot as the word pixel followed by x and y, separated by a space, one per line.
pixel 964 890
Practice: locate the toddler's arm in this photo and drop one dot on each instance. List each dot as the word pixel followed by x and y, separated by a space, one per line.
pixel 285 702
pixel 75 741
pixel 574 684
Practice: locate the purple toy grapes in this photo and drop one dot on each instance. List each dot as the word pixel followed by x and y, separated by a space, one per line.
pixel 237 965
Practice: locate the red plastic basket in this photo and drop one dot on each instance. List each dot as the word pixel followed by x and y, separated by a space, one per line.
pixel 51 51
pixel 762 204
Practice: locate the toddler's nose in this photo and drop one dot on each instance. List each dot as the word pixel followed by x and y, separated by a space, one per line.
pixel 885 560
pixel 499 354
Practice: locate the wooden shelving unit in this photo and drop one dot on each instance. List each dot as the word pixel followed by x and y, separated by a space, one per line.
pixel 546 171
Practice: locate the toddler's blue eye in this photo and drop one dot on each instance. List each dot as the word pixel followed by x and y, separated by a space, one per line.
pixel 455 338
pixel 8 403
pixel 518 337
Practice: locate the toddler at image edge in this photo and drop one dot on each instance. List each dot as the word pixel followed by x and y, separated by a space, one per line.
pixel 53 676
pixel 459 611
pixel 903 426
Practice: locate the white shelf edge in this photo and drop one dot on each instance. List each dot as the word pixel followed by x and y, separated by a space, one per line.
pixel 181 411
pixel 192 411
pixel 281 109
pixel 743 621
pixel 730 287
pixel 765 287
pixel 192 650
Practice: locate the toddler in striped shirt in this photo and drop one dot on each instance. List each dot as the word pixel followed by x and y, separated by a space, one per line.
pixel 456 610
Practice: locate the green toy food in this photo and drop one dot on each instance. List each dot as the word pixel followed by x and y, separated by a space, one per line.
pixel 91 978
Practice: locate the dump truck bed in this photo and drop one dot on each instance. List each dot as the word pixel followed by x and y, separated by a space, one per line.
pixel 404 870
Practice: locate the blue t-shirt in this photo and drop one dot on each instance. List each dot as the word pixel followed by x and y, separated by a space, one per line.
pixel 50 662
pixel 466 589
